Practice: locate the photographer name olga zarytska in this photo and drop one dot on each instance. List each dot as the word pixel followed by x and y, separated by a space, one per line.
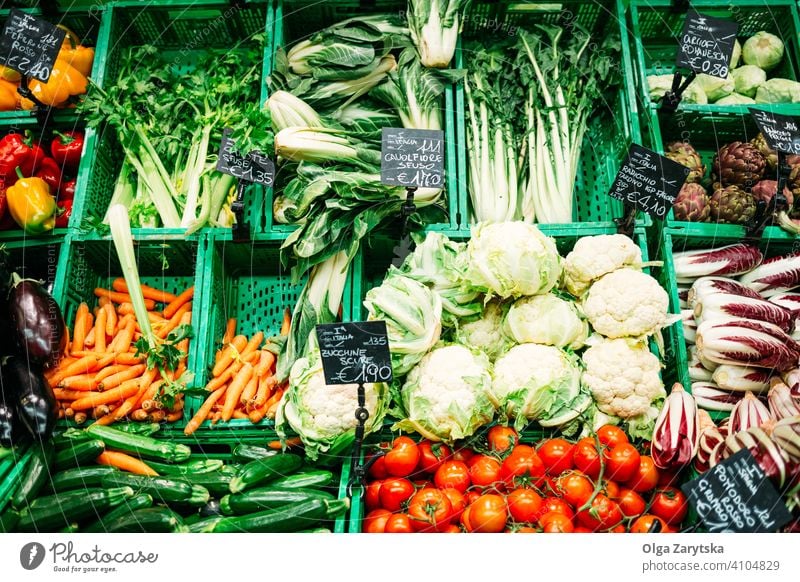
pixel 693 549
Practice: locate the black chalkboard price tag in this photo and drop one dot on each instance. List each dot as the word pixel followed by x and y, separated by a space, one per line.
pixel 413 158
pixel 706 44
pixel 782 132
pixel 355 353
pixel 736 496
pixel 30 45
pixel 255 167
pixel 649 181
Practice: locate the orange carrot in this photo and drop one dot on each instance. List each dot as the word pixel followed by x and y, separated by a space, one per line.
pixel 102 302
pixel 64 394
pixel 175 320
pixel 100 331
pixel 122 298
pixel 105 360
pixel 223 378
pixel 265 386
pixel 235 390
pixel 126 390
pixel 203 412
pixel 125 309
pixel 287 322
pixel 290 442
pixel 148 292
pixel 107 419
pixel 83 382
pixel 120 377
pixel 126 463
pixel 128 359
pixel 80 328
pixel 89 341
pixel 111 320
pixel 232 352
pixel 257 414
pixel 230 331
pixel 240 415
pixel 249 391
pixel 109 371
pixel 122 342
pixel 179 301
pixel 83 366
pixel 265 363
pixel 174 416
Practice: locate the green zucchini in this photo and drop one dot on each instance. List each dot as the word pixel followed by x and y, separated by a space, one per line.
pixel 148 520
pixel 54 512
pixel 139 445
pixel 8 520
pixel 71 528
pixel 190 467
pixel 70 437
pixel 289 518
pixel 199 497
pixel 247 453
pixel 80 477
pixel 205 525
pixel 267 498
pixel 4 452
pixel 304 480
pixel 261 471
pixel 80 453
pixel 35 476
pixel 11 481
pixel 137 502
pixel 161 488
pixel 140 428
pixel 217 483
pixel 316 530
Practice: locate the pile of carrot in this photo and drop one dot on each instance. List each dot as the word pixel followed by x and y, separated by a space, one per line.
pixel 100 376
pixel 243 384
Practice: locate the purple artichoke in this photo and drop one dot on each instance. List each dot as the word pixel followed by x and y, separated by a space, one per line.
pixel 732 205
pixel 770 155
pixel 766 189
pixel 738 164
pixel 683 153
pixel 692 203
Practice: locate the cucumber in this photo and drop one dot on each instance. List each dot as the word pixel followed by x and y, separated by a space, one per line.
pixel 148 520
pixel 267 498
pixel 35 476
pixel 80 477
pixel 54 512
pixel 247 453
pixel 137 502
pixel 258 472
pixel 8 520
pixel 139 445
pixel 80 453
pixel 140 428
pixel 304 480
pixel 217 483
pixel 161 488
pixel 289 518
pixel 188 468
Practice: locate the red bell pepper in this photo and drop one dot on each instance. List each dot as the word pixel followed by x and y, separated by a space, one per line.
pixel 50 172
pixel 3 201
pixel 63 213
pixel 67 190
pixel 66 148
pixel 38 156
pixel 15 153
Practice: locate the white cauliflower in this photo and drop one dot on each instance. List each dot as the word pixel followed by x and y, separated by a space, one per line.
pixel 623 377
pixel 446 395
pixel 485 333
pixel 546 319
pixel 626 303
pixel 595 256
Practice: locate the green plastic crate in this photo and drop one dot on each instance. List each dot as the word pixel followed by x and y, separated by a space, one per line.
pixel 189 31
pixel 168 264
pixel 296 20
pixel 675 240
pixel 33 259
pixel 607 138
pixel 707 132
pixel 655 27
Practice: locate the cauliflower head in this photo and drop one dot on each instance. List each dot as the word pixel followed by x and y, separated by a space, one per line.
pixel 446 395
pixel 512 259
pixel 323 416
pixel 626 303
pixel 536 382
pixel 546 319
pixel 595 256
pixel 486 332
pixel 623 377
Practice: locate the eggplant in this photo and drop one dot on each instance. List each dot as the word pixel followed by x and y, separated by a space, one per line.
pixel 35 402
pixel 38 323
pixel 10 427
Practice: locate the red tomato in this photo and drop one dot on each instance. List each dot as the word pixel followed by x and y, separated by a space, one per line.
pixel 403 458
pixel 575 488
pixel 458 501
pixel 453 474
pixel 581 529
pixel 667 478
pixel 611 489
pixel 377 470
pixel 524 505
pixel 670 505
pixel 558 505
pixel 488 514
pixel 463 454
pixel 375 521
pixel 586 458
pixel 431 456
pixel 556 454
pixel 601 516
pixel 472 496
pixel 521 468
pixel 646 478
pixel 555 522
pixel 617 529
pixel 630 503
pixel 395 492
pixel 484 470
pixel 645 523
pixel 371 495
pixel 452 528
pixel 464 521
pixel 611 436
pixel 430 510
pixel 502 438
pixel 398 523
pixel 525 529
pixel 622 462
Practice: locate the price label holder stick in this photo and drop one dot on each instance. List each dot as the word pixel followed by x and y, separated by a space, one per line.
pixel 358 474
pixel 672 98
pixel 240 229
pixel 42 111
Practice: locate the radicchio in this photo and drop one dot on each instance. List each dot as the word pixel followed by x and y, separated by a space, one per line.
pixel 710 437
pixel 747 413
pixel 745 342
pixel 728 260
pixel 676 432
pixel 775 275
pixel 716 306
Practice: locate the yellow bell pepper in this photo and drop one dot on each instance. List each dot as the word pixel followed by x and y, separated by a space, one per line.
pixel 9 98
pixel 71 40
pixel 31 205
pixel 64 82
pixel 81 58
pixel 9 74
